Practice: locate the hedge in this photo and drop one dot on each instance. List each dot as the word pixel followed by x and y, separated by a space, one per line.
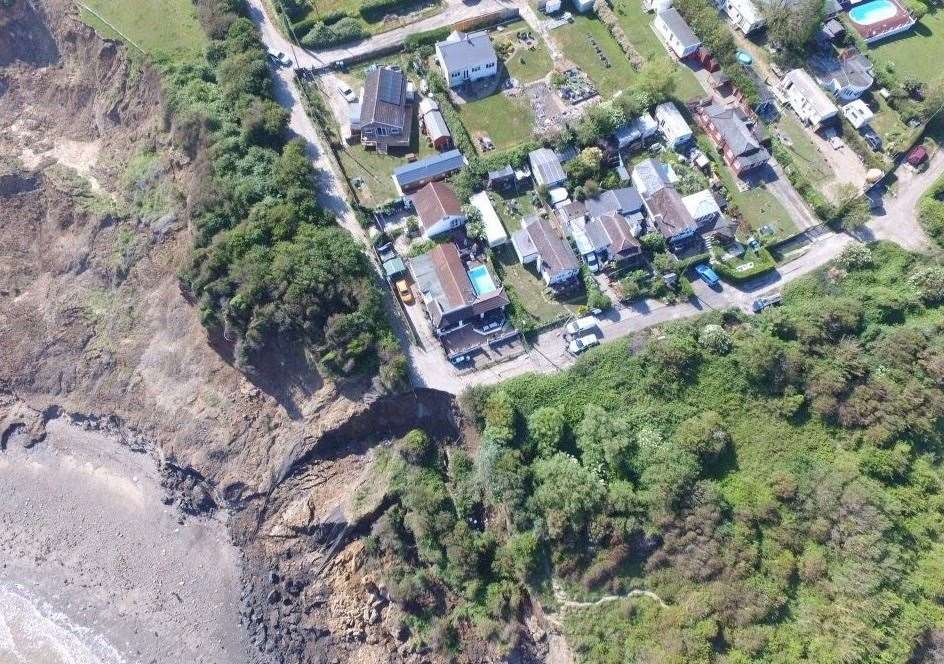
pixel 346 30
pixel 426 38
pixel 374 10
pixel 763 263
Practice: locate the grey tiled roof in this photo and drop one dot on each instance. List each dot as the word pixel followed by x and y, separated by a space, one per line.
pixel 384 98
pixel 468 49
pixel 546 167
pixel 679 27
pixel 433 166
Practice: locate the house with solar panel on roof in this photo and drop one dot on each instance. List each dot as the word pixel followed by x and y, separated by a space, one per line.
pixel 384 117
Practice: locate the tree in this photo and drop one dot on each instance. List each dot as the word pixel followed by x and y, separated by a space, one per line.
pixel 567 493
pixel 546 428
pixel 929 280
pixel 518 557
pixel 855 256
pixel 586 165
pixel 793 25
pixel 605 442
pixel 703 435
pixel 715 338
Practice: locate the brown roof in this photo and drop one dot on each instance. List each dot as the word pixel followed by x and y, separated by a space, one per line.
pixel 434 202
pixel 455 281
pixel 384 98
pixel 621 235
pixel 553 250
pixel 669 213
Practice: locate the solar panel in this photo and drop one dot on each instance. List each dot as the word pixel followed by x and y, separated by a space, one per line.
pixel 389 86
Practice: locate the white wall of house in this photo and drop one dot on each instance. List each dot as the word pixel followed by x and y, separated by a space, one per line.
pixel 680 50
pixel 444 225
pixel 468 71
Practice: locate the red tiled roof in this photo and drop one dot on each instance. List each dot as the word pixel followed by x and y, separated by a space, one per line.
pixel 452 275
pixel 433 202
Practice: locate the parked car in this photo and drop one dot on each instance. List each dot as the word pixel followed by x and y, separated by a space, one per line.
pixel 279 58
pixel 458 360
pixel 580 344
pixel 404 291
pixel 873 139
pixel 765 301
pixel 345 91
pixel 582 325
pixel 707 275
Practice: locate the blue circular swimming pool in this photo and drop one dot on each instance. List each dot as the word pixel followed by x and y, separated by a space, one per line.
pixel 873 12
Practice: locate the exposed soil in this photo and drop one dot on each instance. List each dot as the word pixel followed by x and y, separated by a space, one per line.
pixel 92 322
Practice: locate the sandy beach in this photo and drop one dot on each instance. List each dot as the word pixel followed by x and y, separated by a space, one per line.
pixel 96 569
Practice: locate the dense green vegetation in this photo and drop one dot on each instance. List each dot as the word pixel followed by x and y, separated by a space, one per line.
pixel 776 480
pixel 270 269
pixel 931 211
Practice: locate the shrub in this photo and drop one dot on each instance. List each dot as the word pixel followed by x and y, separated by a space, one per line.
pixel 715 338
pixel 323 36
pixel 929 280
pixel 426 38
pixel 855 256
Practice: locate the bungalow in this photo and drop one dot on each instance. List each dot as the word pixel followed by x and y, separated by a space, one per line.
pixel 672 125
pixel 650 175
pixel 675 32
pixel 666 210
pixel 735 140
pixel 466 57
pixel 495 233
pixel 438 209
pixel 410 177
pixel 807 99
pixel 702 206
pixel 385 118
pixel 670 217
pixel 744 15
pixel 451 300
pixel 636 132
pixel 537 242
pixel 546 168
pixel 434 125
pixel 848 77
pixel 624 202
pixel 858 113
pixel 605 239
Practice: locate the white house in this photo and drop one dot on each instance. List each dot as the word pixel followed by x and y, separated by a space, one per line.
pixel 745 15
pixel 466 57
pixel 806 98
pixel 582 6
pixel 675 32
pixel 437 209
pixel 672 125
pixel 858 113
pixel 656 5
pixel 495 233
pixel 702 206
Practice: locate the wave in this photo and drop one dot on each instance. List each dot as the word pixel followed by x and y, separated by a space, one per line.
pixel 33 632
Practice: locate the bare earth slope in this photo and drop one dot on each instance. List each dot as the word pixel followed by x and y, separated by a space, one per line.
pixel 94 332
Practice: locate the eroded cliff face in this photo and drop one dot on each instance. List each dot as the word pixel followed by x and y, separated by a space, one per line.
pixel 91 316
pixel 94 328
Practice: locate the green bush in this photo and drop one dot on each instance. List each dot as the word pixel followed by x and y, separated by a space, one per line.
pixel 425 38
pixel 346 30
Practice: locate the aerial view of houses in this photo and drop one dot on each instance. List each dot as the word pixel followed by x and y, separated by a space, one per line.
pixel 516 171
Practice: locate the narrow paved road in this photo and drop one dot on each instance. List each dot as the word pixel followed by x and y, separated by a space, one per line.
pixel 453 12
pixel 429 367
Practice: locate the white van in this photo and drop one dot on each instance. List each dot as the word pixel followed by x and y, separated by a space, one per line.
pixel 582 325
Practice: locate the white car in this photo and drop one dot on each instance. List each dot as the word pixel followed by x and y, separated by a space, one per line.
pixel 346 92
pixel 279 58
pixel 580 344
pixel 581 325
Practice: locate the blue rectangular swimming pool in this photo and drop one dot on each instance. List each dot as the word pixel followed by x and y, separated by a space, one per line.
pixel 481 280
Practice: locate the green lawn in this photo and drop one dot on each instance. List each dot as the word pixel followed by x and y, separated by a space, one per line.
pixel 574 41
pixel 806 157
pixel 636 24
pixel 918 53
pixel 529 287
pixel 513 207
pixel 376 169
pixel 525 64
pixel 163 29
pixel 506 120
